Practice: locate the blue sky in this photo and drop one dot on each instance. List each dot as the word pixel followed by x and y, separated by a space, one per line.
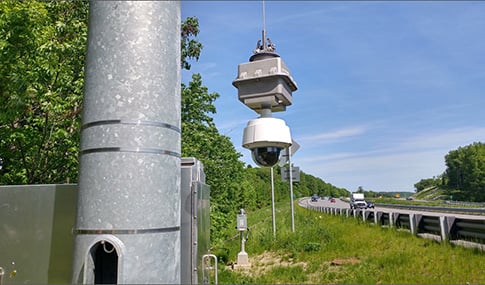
pixel 385 89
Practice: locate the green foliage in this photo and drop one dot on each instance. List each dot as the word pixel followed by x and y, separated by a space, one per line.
pixel 42 47
pixel 311 246
pixel 466 172
pixel 426 183
pixel 190 47
pixel 260 180
pixel 201 139
pixel 310 185
pixel 42 51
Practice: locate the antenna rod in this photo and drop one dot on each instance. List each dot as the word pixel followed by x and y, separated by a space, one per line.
pixel 264 26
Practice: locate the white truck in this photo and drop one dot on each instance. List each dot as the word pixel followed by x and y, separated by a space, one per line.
pixel 357 201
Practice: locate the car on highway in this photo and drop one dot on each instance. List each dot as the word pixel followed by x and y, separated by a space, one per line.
pixel 358 204
pixel 314 198
pixel 370 205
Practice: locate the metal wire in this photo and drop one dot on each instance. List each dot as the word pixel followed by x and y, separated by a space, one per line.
pixel 105 249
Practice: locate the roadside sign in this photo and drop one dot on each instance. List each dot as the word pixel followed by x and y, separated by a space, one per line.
pixel 295 174
pixel 284 153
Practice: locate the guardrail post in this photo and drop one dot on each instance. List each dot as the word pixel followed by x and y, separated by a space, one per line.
pixel 412 224
pixel 417 220
pixel 446 224
pixel 395 219
pixel 377 217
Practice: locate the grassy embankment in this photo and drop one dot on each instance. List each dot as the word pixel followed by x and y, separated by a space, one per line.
pixel 333 249
pixel 431 196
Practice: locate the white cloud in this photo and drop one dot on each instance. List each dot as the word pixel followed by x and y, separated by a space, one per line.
pixel 443 140
pixel 230 127
pixel 335 135
pixel 396 167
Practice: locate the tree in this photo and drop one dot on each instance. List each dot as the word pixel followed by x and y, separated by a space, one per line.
pixel 201 139
pixel 426 183
pixel 42 52
pixel 466 171
pixel 42 47
pixel 190 47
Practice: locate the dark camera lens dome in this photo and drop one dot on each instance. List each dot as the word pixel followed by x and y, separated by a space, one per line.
pixel 266 156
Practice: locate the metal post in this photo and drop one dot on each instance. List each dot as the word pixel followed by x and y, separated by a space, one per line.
pixel 206 259
pixel 243 243
pixel 129 179
pixel 242 256
pixel 272 202
pixel 291 192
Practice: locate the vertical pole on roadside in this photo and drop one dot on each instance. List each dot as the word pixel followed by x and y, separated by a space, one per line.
pixel 291 192
pixel 128 212
pixel 272 202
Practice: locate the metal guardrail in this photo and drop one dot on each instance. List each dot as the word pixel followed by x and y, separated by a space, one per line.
pixel 435 208
pixel 461 231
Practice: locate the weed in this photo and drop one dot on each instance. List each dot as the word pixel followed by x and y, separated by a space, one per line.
pixel 311 246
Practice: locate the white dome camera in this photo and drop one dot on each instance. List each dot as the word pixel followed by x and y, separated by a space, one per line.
pixel 266 137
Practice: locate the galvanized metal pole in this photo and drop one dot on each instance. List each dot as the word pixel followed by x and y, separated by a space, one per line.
pixel 291 192
pixel 128 220
pixel 272 202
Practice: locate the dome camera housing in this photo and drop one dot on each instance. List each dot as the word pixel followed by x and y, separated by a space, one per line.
pixel 266 137
pixel 266 156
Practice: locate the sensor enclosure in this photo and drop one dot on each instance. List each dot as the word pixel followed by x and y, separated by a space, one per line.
pixel 265 83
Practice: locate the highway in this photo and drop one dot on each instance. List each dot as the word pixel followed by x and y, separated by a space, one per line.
pixel 345 205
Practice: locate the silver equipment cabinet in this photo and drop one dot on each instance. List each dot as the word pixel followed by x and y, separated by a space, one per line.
pixel 195 221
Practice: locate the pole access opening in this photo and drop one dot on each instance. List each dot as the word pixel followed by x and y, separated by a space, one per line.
pixel 105 260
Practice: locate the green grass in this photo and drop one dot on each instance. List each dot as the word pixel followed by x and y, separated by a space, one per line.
pixel 430 193
pixel 335 249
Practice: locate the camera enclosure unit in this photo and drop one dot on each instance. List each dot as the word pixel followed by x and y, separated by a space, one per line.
pixel 265 83
pixel 266 137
